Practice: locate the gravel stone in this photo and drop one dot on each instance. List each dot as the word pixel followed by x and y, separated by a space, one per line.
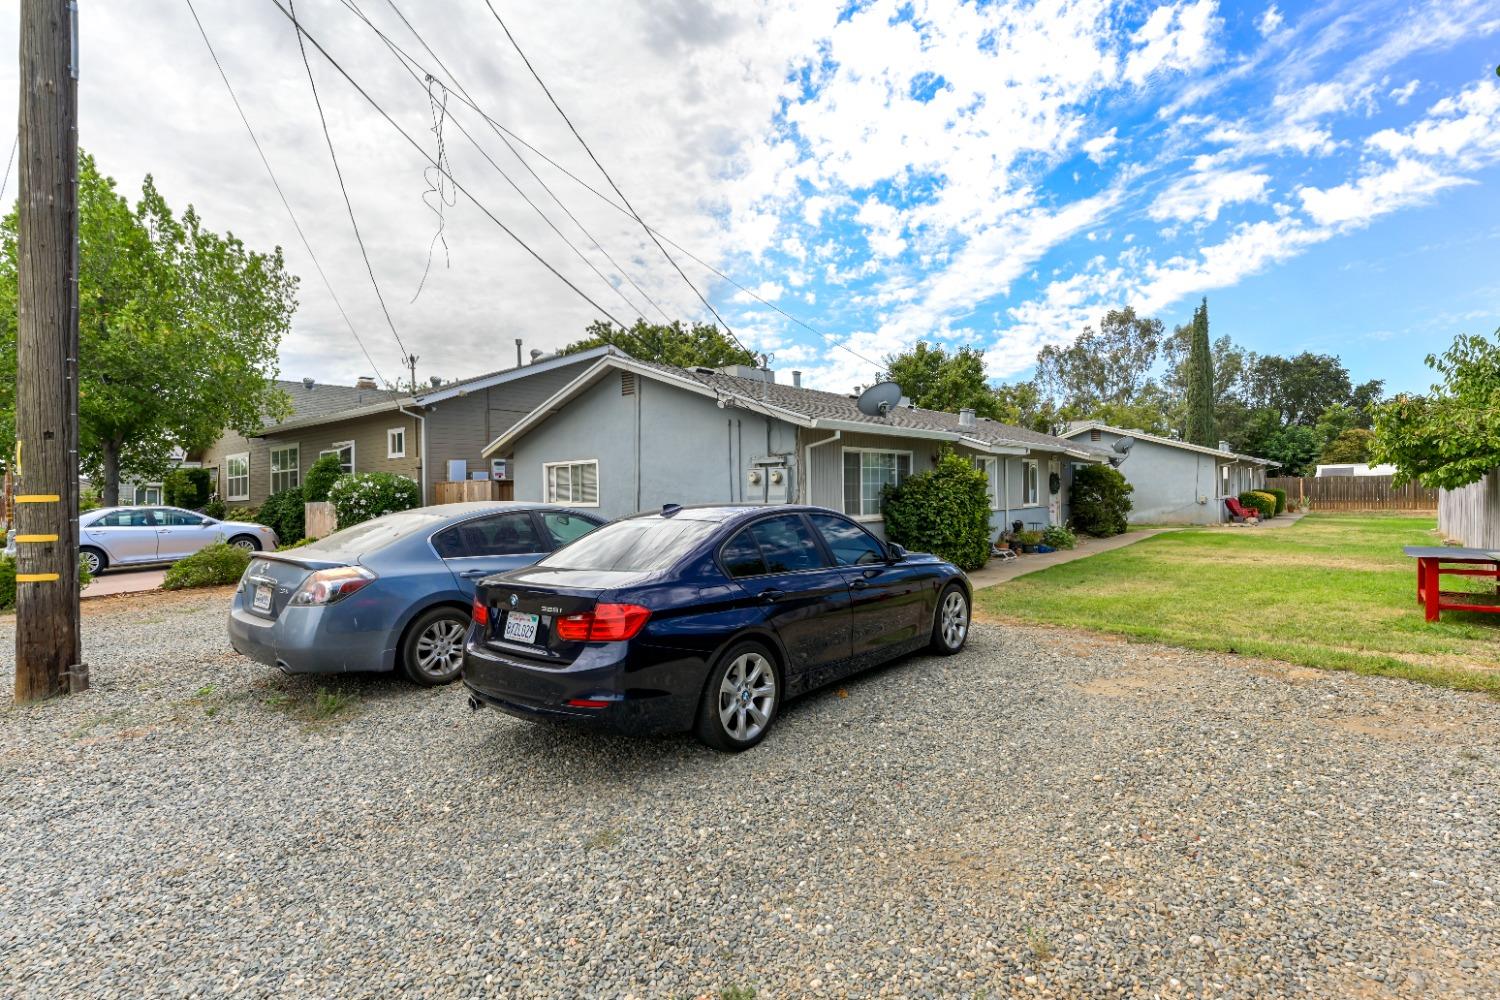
pixel 1050 814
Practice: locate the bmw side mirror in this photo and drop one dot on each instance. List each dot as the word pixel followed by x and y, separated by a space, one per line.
pixel 895 552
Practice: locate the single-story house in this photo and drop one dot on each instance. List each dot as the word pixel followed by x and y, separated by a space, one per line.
pixel 626 435
pixel 1175 482
pixel 434 435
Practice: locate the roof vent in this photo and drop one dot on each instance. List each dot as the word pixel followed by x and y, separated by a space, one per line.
pixel 308 383
pixel 796 380
pixel 1224 446
pixel 966 417
pixel 627 383
pixel 364 382
pixel 435 381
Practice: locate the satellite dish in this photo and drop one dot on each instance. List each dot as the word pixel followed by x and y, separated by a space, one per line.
pixel 1122 447
pixel 879 399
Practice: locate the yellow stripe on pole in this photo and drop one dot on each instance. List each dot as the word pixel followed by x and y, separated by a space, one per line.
pixel 36 577
pixel 36 538
pixel 37 498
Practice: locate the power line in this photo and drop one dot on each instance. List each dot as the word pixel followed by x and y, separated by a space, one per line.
pixel 403 59
pixel 10 163
pixel 418 147
pixel 500 133
pixel 306 245
pixel 339 173
pixel 670 259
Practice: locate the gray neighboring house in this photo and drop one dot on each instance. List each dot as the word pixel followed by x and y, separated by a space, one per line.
pixel 1176 482
pixel 629 435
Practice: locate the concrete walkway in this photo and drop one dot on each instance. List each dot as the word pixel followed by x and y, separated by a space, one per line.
pixel 134 581
pixel 998 571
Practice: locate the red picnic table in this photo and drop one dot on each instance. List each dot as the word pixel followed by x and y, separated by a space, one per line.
pixel 1467 562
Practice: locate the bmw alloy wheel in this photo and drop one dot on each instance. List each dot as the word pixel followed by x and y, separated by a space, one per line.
pixel 747 696
pixel 954 622
pixel 440 648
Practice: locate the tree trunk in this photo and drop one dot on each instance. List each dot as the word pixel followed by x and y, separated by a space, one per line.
pixel 111 488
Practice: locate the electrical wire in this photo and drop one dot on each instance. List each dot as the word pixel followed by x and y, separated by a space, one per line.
pixel 636 215
pixel 9 163
pixel 339 173
pixel 303 32
pixel 306 245
pixel 500 133
pixel 403 59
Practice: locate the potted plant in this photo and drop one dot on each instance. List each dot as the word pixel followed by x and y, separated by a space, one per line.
pixel 1029 540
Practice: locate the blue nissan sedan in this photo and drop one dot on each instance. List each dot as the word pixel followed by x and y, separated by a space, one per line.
pixel 704 619
pixel 391 593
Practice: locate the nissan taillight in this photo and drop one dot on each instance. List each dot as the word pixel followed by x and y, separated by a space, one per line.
pixel 606 623
pixel 329 586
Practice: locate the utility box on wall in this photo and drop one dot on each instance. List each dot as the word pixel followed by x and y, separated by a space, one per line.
pixel 768 480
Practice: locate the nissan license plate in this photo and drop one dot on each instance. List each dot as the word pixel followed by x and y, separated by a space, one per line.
pixel 262 601
pixel 520 627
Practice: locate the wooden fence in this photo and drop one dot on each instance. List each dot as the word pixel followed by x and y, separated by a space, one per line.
pixel 1470 515
pixel 1355 493
pixel 474 489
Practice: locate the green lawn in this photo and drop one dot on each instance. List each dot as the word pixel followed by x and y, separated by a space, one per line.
pixel 1331 591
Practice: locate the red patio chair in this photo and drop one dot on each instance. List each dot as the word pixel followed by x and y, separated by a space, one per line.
pixel 1239 511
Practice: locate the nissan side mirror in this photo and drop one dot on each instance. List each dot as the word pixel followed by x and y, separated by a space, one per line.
pixel 895 552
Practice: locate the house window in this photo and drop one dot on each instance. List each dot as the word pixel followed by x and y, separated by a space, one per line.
pixel 991 469
pixel 1031 482
pixel 395 442
pixel 867 472
pixel 1223 480
pixel 285 470
pixel 148 495
pixel 572 482
pixel 237 476
pixel 345 451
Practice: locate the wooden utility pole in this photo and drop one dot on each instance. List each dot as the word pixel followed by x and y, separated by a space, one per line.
pixel 46 461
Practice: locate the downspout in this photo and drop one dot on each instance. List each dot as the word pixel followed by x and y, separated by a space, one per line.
pixel 807 472
pixel 421 450
pixel 1005 480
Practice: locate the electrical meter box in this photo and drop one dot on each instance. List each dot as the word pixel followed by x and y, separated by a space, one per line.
pixel 768 480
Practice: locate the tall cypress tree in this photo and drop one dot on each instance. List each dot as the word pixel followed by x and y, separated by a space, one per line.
pixel 1200 383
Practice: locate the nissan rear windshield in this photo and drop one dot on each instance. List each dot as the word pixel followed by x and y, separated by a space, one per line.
pixel 639 545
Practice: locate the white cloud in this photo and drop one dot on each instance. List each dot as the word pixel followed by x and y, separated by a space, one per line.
pixel 1198 197
pixel 1359 201
pixel 1464 128
pixel 1270 21
pixel 1176 37
pixel 1403 94
pixel 1100 147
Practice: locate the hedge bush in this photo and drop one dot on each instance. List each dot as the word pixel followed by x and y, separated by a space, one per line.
pixel 1263 503
pixel 945 511
pixel 284 513
pixel 1280 495
pixel 216 508
pixel 188 488
pixel 321 477
pixel 366 495
pixel 211 566
pixel 1059 537
pixel 1100 500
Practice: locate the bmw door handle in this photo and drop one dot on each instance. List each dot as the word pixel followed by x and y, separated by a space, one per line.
pixel 860 583
pixel 772 595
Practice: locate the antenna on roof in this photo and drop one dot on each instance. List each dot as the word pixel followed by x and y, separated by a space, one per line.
pixel 879 399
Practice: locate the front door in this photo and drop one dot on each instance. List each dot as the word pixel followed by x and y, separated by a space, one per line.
pixel 778 563
pixel 1054 499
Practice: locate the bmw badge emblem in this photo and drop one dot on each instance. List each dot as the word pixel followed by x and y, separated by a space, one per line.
pixel 514 600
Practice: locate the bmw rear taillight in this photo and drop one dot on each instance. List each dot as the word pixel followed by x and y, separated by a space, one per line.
pixel 481 612
pixel 329 586
pixel 606 623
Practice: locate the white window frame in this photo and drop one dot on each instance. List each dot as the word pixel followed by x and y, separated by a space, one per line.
pixel 391 451
pixel 337 447
pixel 1031 482
pixel 877 516
pixel 549 484
pixel 230 477
pixel 295 472
pixel 990 466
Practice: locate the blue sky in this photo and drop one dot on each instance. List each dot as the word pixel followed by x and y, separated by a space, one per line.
pixel 989 173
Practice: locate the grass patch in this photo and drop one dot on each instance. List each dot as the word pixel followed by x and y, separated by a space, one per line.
pixel 315 707
pixel 737 993
pixel 1332 591
pixel 603 840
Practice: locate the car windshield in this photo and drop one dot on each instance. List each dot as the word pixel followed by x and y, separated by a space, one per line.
pixel 376 534
pixel 637 545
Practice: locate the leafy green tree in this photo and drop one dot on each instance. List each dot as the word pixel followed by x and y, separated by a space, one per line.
pixel 321 477
pixel 1294 449
pixel 1300 388
pixel 1108 365
pixel 178 332
pixel 1351 446
pixel 1201 396
pixel 1021 404
pixel 936 380
pixel 1450 438
pixel 699 345
pixel 188 488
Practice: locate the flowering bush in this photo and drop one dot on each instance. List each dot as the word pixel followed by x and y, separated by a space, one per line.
pixel 361 496
pixel 1059 537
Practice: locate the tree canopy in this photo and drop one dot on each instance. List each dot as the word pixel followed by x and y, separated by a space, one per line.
pixel 1110 365
pixel 1451 437
pixel 178 331
pixel 699 345
pixel 934 379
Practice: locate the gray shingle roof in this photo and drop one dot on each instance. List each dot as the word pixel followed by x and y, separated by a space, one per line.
pixel 816 404
pixel 322 399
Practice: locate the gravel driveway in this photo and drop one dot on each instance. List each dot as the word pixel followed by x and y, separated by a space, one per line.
pixel 1049 814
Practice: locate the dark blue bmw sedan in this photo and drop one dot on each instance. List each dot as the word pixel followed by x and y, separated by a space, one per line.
pixel 704 619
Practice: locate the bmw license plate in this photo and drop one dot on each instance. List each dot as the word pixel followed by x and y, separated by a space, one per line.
pixel 262 601
pixel 520 627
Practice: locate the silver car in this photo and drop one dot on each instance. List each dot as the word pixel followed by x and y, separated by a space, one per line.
pixel 391 593
pixel 122 536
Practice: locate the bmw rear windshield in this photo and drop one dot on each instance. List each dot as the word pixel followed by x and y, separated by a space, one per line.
pixel 636 545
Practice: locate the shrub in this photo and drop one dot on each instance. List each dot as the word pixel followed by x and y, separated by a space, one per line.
pixel 360 497
pixel 211 566
pixel 321 477
pixel 188 488
pixel 1280 495
pixel 90 498
pixel 296 545
pixel 1262 503
pixel 215 508
pixel 1059 537
pixel 945 511
pixel 1100 500
pixel 284 514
